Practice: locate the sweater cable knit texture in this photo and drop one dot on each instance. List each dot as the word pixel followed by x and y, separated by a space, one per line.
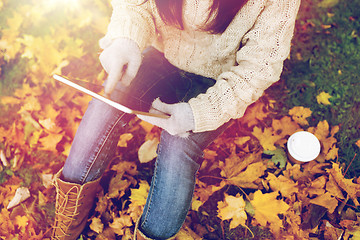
pixel 245 60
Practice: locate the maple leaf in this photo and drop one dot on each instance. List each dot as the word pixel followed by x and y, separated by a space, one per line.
pixel 285 126
pixel 267 208
pixel 50 142
pixel 119 224
pixel 347 185
pixel 322 132
pixel 284 185
pixel 138 196
pixel 203 191
pixel 6 224
pixel 254 113
pixel 21 221
pixel 323 98
pixel 299 114
pixel 247 178
pixel 235 164
pixel 267 138
pixel 232 208
pixel 333 188
pixel 118 186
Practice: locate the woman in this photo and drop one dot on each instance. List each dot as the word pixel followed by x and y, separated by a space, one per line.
pixel 208 60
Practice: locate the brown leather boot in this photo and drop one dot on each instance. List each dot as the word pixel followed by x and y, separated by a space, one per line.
pixel 73 203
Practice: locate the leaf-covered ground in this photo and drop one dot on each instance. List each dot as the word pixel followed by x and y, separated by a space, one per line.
pixel 246 187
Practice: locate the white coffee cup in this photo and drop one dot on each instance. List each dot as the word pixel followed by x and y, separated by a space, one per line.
pixel 303 147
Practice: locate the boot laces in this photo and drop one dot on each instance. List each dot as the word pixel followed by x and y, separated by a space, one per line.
pixel 66 210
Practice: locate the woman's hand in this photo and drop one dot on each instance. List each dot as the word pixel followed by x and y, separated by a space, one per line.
pixel 181 119
pixel 121 60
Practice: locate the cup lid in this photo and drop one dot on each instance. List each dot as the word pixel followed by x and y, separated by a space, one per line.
pixel 303 146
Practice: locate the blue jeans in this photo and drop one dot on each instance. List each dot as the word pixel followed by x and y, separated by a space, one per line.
pixel 178 158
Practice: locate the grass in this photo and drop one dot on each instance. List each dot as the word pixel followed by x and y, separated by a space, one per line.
pixel 325 57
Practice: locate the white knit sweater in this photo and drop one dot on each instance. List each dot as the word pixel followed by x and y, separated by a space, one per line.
pixel 245 60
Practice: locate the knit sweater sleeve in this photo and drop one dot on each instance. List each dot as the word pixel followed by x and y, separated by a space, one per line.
pixel 259 64
pixel 130 19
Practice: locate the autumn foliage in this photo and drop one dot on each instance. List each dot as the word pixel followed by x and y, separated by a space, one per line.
pixel 246 186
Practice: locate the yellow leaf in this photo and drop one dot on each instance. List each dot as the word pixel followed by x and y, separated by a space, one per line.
pixel 284 185
pixel 138 196
pixel 246 179
pixel 347 185
pixel 241 140
pixel 21 221
pixel 267 208
pixel 124 138
pixel 10 100
pixel 232 208
pixel 333 188
pixel 267 138
pixel 285 126
pixel 31 104
pixel 146 126
pixel 49 142
pixel 299 115
pixel 49 125
pixel 147 150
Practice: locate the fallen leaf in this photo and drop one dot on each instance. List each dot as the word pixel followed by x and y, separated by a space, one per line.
pixel 267 207
pixel 285 126
pixel 233 209
pixel 267 138
pixel 279 157
pixel 347 185
pixel 124 139
pixel 120 223
pixel 299 114
pixel 21 194
pixel 96 225
pixel 147 150
pixel 284 185
pixel 327 201
pixel 323 98
pixel 358 143
pixel 246 179
pixel 21 221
